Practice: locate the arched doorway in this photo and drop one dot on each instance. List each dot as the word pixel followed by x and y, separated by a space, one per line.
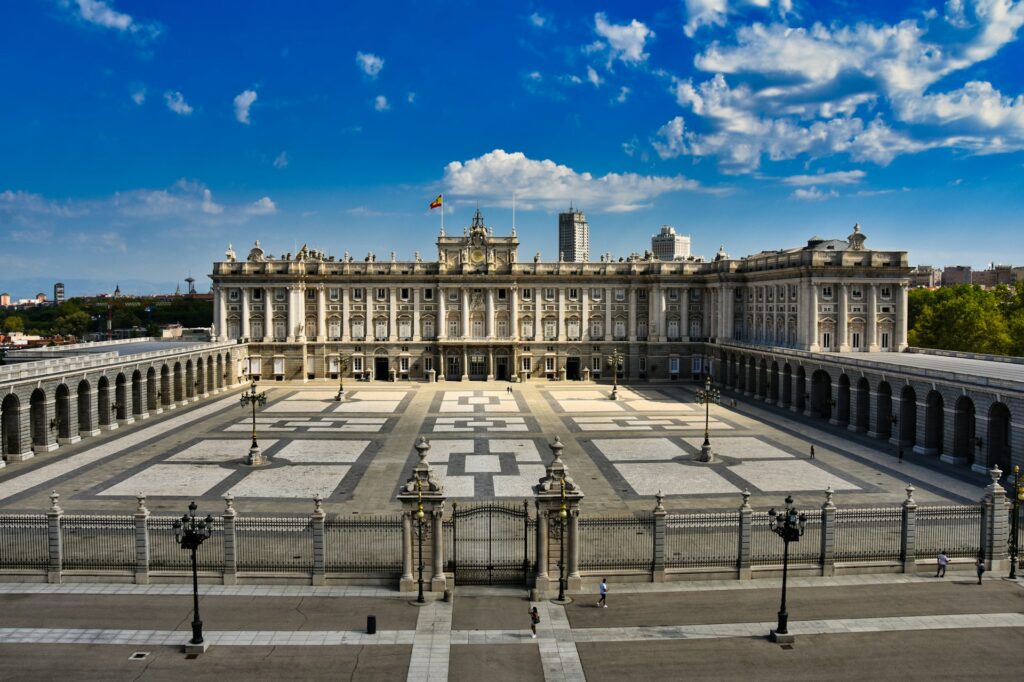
pixel 190 380
pixel 862 417
pixel 908 416
pixel 933 426
pixel 762 379
pixel 63 396
pixel 179 384
pixel 121 397
pixel 751 385
pixel 37 418
pixel 211 384
pixel 883 411
pixel 964 429
pixel 138 406
pixel 821 394
pixel 220 371
pixel 152 391
pixel 773 383
pixel 85 424
pixel 165 386
pixel 103 401
pixel 800 397
pixel 723 370
pixel 200 377
pixel 10 422
pixel 741 374
pixel 787 385
pixel 999 437
pixel 843 401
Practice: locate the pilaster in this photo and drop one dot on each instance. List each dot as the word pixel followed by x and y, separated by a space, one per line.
pixel 908 540
pixel 828 534
pixel 141 541
pixel 743 550
pixel 422 498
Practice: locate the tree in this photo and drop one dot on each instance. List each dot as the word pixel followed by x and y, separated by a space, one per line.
pixel 72 324
pixel 962 318
pixel 14 323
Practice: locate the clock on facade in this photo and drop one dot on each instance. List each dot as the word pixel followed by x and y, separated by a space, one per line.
pixel 477 255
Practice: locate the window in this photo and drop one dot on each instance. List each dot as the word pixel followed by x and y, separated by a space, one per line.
pixel 358 329
pixel 502 294
pixel 695 329
pixel 255 367
pixel 620 329
pixel 673 365
pixel 333 294
pixel 257 329
pixel 405 328
pixel 428 364
pixel 641 329
pixel 428 329
pixel 886 292
pixel 549 364
pixel 595 294
pixel 641 294
pixel 826 340
pixel 673 329
pixel 280 330
pixel 595 365
pixel 694 294
pixel 381 330
pixel 334 328
pixel 404 294
pixel 278 294
pixel 428 294
pixel 333 365
pixel 310 294
pixel 382 294
pixel 642 364
pixel 620 294
pixel 453 294
pixel 357 365
pixel 503 329
pixel 257 294
pixel 550 330
pixel 527 294
pixel 673 294
pixel 573 330
pixel 596 329
pixel 527 329
pixel 549 294
pixel 233 294
pixel 856 292
pixel 453 328
pixel 885 340
pixel 403 364
pixel 826 291
pixel 278 366
pixel 478 329
pixel 574 294
pixel 525 364
pixel 855 340
pixel 357 294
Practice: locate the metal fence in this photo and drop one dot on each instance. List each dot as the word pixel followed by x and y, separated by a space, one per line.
pixel 766 548
pixel 954 528
pixel 624 542
pixel 869 534
pixel 165 554
pixel 274 544
pixel 364 545
pixel 23 541
pixel 104 542
pixel 709 540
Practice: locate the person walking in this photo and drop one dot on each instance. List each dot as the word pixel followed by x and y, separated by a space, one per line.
pixel 603 590
pixel 812 452
pixel 534 619
pixel 942 560
pixel 979 566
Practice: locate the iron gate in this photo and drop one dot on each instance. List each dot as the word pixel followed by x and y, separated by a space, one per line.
pixel 490 544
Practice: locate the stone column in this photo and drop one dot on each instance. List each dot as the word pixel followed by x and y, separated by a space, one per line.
pixel 900 330
pixel 229 539
pixel 316 519
pixel 842 320
pixel 631 315
pixel 244 331
pixel 141 542
pixel 584 314
pixel 345 336
pixel 293 315
pixel 222 313
pixel 73 433
pixel 854 409
pixel 268 315
pixel 653 294
pixel 490 364
pixel 300 312
pixel 744 551
pixel 658 561
pixel 812 321
pixel 561 313
pixel 423 492
pixel 995 524
pixel 465 313
pixel 553 494
pixel 442 317
pixel 321 313
pixel 416 336
pixel 489 317
pixel 828 534
pixel 684 314
pixel 662 314
pixel 729 306
pixel 53 539
pixel 871 326
pixel 920 438
pixel 538 314
pixel 392 314
pixel 465 364
pixel 908 539
pixel 513 320
pixel 608 314
pixel 763 338
pixel 542 529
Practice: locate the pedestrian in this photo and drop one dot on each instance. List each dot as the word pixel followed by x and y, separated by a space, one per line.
pixel 979 566
pixel 812 452
pixel 901 455
pixel 941 561
pixel 603 590
pixel 534 619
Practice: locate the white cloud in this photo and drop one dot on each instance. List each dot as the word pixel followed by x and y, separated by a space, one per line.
pixel 538 20
pixel 262 206
pixel 176 103
pixel 380 103
pixel 835 178
pixel 955 13
pixel 243 101
pixel 705 13
pixel 100 13
pixel 410 97
pixel 492 178
pixel 593 77
pixel 139 96
pixel 627 41
pixel 623 94
pixel 208 205
pixel 813 194
pixel 281 161
pixel 369 63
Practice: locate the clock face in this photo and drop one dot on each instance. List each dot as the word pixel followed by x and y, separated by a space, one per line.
pixel 477 255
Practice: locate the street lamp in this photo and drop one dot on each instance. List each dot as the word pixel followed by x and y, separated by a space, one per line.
pixel 789 525
pixel 706 396
pixel 190 533
pixel 253 398
pixel 1018 498
pixel 614 360
pixel 562 516
pixel 419 518
pixel 342 368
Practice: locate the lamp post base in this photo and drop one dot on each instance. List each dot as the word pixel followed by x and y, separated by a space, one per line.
pixel 615 393
pixel 255 457
pixel 779 638
pixel 705 453
pixel 194 649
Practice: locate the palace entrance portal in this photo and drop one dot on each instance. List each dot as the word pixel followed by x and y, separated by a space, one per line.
pixel 490 544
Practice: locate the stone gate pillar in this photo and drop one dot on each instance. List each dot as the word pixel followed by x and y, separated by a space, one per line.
pixel 557 498
pixel 422 492
pixel 995 526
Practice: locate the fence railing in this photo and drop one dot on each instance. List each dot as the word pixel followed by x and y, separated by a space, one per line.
pixel 766 548
pixel 364 545
pixel 165 554
pixel 274 544
pixel 98 542
pixel 23 541
pixel 622 542
pixel 869 534
pixel 953 528
pixel 707 540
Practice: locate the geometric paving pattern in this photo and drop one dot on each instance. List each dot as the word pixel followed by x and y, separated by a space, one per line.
pixel 479 424
pixel 641 423
pixel 485 468
pixel 311 424
pixel 478 401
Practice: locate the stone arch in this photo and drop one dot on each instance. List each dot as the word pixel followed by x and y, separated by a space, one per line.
pixel 883 411
pixel 741 374
pixel 211 384
pixel 190 379
pixel 220 371
pixel 85 406
pixel 751 383
pixel 165 386
pixel 200 377
pixel 821 394
pixel 103 401
pixel 862 418
pixel 908 416
pixel 964 426
pixel 179 383
pixel 63 400
pixel 121 397
pixel 151 389
pixel 999 444
pixel 10 423
pixel 723 369
pixel 137 403
pixel 762 378
pixel 37 417
pixel 842 413
pixel 787 385
pixel 800 397
pixel 773 383
pixel 933 416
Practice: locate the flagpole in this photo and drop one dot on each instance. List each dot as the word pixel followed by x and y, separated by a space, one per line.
pixel 442 214
pixel 513 212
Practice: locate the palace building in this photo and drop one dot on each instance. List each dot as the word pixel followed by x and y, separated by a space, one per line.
pixel 478 312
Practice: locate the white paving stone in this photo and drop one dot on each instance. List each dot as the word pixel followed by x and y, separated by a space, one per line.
pixel 743 447
pixel 520 485
pixel 322 451
pixel 578 406
pixel 524 450
pixel 386 396
pixel 441 449
pixel 673 478
pixel 482 464
pixel 301 481
pixel 171 480
pixel 455 486
pixel 217 451
pixel 368 406
pixel 313 395
pixel 298 406
pixel 787 476
pixel 638 449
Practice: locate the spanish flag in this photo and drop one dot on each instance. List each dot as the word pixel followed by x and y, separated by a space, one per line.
pixel 436 203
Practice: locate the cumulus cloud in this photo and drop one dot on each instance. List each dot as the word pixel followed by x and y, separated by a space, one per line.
pixel 626 41
pixel 494 176
pixel 623 94
pixel 715 12
pixel 593 78
pixel 262 206
pixel 102 14
pixel 281 161
pixel 538 20
pixel 243 102
pixel 380 103
pixel 176 103
pixel 369 63
pixel 139 95
pixel 836 178
pixel 813 194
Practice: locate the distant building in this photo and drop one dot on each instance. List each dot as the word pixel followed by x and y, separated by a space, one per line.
pixel 5 299
pixel 667 245
pixel 956 274
pixel 925 276
pixel 1018 274
pixel 58 293
pixel 117 291
pixel 994 276
pixel 573 237
pixel 40 298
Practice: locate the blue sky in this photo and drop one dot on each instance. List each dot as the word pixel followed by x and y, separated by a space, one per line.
pixel 138 139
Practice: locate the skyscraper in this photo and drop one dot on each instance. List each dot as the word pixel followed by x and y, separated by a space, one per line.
pixel 573 237
pixel 667 245
pixel 58 293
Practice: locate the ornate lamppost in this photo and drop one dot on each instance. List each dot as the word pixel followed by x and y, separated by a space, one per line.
pixel 705 396
pixel 614 360
pixel 563 514
pixel 342 368
pixel 251 397
pixel 419 520
pixel 789 524
pixel 190 534
pixel 1018 498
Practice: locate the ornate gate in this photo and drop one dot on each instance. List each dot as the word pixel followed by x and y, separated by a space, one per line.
pixel 490 544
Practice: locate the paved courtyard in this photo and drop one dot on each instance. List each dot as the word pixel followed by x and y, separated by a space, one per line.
pixel 487 442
